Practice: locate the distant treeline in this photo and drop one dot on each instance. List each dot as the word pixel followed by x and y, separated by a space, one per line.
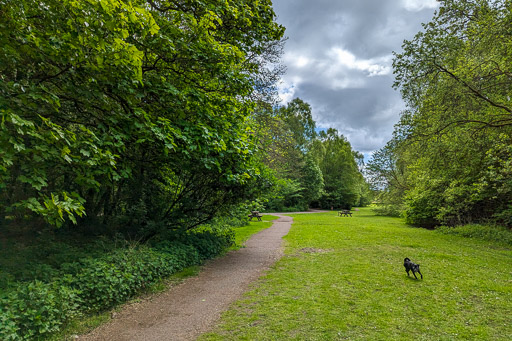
pixel 310 168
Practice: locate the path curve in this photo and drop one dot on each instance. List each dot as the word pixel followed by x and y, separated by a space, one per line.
pixel 193 307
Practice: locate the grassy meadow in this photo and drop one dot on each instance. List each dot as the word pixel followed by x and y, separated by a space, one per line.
pixel 342 278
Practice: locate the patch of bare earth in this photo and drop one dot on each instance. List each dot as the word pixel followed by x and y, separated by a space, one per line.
pixel 314 250
pixel 193 307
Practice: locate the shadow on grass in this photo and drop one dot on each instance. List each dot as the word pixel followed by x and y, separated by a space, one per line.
pixel 411 278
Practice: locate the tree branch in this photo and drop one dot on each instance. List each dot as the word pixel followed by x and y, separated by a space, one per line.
pixel 475 92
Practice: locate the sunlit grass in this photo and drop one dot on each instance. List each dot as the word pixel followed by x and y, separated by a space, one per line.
pixel 343 278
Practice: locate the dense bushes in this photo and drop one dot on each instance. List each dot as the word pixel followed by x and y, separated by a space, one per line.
pixel 210 243
pixel 43 256
pixel 106 282
pixel 37 308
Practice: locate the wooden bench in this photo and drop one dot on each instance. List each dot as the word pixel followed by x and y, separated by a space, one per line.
pixel 255 214
pixel 345 213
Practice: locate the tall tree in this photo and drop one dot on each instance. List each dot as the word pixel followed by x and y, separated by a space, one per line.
pixel 455 77
pixel 386 172
pixel 130 109
pixel 344 183
pixel 285 134
pixel 299 120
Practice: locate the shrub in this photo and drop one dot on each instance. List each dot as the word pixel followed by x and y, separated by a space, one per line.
pixel 499 234
pixel 31 310
pixel 47 256
pixel 209 243
pixel 235 216
pixel 35 309
pixel 387 210
pixel 108 281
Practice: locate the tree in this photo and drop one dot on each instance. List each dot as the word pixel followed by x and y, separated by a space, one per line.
pixel 386 174
pixel 285 134
pixel 309 168
pixel 344 183
pixel 459 67
pixel 130 110
pixel 312 181
pixel 456 80
pixel 299 120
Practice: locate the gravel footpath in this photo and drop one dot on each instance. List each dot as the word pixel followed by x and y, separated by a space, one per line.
pixel 186 311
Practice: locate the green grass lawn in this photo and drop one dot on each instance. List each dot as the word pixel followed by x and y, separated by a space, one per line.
pixel 343 279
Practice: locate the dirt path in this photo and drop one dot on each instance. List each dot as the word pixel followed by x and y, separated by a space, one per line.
pixel 193 307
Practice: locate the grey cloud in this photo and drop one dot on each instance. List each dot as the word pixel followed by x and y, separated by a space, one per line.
pixel 365 115
pixel 339 57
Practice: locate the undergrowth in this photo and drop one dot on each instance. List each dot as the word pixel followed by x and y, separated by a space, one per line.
pixel 50 281
pixel 33 308
pixel 497 234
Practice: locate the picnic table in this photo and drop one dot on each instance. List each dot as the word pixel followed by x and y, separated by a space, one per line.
pixel 345 213
pixel 255 214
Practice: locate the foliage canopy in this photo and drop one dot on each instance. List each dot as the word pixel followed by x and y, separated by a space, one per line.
pixel 449 160
pixel 130 112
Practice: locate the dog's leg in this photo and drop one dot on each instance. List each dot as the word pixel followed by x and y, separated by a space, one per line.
pixel 414 274
pixel 407 270
pixel 420 274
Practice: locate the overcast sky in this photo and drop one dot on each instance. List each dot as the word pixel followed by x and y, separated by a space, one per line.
pixel 338 57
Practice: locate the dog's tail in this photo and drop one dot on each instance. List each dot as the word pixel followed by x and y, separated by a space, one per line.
pixel 406 259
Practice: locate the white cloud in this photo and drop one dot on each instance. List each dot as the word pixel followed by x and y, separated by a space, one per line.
pixel 373 67
pixel 343 82
pixel 365 141
pixel 294 58
pixel 286 91
pixel 302 62
pixel 418 5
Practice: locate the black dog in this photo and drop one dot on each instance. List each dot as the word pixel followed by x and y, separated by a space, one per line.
pixel 410 266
